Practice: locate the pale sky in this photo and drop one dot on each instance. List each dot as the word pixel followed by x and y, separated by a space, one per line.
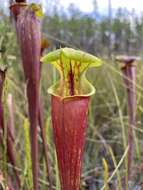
pixel 86 5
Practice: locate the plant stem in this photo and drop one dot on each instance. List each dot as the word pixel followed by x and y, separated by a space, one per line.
pixel 11 155
pixel 7 130
pixel 129 74
pixel 33 102
pixel 46 149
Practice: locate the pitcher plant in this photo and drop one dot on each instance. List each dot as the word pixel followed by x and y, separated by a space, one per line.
pixel 69 103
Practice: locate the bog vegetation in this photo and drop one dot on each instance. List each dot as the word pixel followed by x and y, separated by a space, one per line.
pixel 106 149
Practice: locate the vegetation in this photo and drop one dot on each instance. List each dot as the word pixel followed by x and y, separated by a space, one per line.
pixel 105 152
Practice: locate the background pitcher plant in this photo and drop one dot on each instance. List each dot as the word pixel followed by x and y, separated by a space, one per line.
pixel 28 27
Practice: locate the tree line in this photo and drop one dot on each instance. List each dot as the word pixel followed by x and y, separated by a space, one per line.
pixel 90 32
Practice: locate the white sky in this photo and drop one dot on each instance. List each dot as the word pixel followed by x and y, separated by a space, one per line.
pixel 86 5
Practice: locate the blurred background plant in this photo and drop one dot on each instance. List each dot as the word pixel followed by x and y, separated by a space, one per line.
pixel 105 152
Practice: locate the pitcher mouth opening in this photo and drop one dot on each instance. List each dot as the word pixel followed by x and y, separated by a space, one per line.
pixel 85 92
